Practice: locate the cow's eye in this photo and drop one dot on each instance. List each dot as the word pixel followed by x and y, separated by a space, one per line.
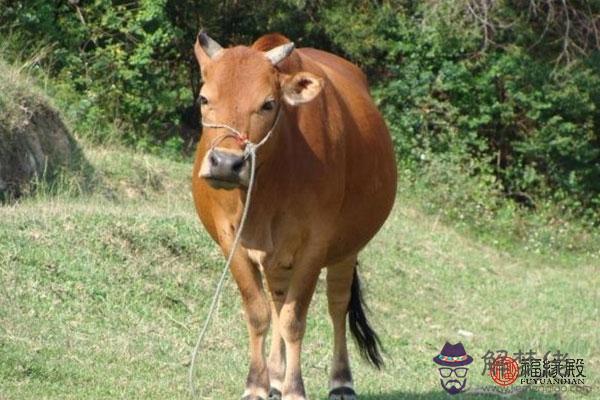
pixel 202 100
pixel 268 105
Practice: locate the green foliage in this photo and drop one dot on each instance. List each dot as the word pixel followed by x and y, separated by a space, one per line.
pixel 496 102
pixel 526 128
pixel 112 62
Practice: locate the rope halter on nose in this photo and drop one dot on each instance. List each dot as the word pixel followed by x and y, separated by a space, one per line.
pixel 241 138
pixel 249 151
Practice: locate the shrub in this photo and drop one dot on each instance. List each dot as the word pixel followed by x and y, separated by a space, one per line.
pixel 505 93
pixel 112 62
pixel 504 113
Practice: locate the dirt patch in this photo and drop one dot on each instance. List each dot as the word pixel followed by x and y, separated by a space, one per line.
pixel 35 148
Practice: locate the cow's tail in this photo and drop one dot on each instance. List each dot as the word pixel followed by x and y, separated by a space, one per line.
pixel 365 337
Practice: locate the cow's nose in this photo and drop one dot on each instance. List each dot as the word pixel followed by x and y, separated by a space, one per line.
pixel 227 166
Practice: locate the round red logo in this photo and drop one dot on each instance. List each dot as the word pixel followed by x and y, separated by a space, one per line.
pixel 504 371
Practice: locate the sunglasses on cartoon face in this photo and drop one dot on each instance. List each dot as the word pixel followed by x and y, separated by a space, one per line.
pixel 447 372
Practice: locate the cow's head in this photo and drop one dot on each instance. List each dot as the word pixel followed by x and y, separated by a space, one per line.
pixel 244 90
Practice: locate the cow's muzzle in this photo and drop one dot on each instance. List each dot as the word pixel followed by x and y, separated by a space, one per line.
pixel 225 169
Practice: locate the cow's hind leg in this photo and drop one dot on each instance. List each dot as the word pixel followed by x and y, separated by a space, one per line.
pixel 345 297
pixel 339 284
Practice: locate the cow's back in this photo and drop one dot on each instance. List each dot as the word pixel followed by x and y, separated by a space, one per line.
pixel 369 171
pixel 341 66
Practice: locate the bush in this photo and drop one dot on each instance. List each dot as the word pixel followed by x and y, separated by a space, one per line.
pixel 501 92
pixel 505 114
pixel 113 63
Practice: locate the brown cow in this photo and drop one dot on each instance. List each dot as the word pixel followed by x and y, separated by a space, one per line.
pixel 325 183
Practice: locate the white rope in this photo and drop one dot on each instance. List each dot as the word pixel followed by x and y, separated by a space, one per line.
pixel 239 134
pixel 249 151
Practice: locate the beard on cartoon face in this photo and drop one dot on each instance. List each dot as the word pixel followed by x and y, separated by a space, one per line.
pixel 453 379
pixel 453 386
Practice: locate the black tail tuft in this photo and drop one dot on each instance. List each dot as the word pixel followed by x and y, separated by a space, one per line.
pixel 365 337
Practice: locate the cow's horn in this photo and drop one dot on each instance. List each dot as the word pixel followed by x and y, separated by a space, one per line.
pixel 210 47
pixel 277 54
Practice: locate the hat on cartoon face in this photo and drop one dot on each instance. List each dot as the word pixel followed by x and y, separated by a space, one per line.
pixel 453 355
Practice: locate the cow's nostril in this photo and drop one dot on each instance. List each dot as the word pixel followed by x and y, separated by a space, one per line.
pixel 213 159
pixel 237 165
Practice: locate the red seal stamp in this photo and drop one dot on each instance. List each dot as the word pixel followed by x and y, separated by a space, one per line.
pixel 504 371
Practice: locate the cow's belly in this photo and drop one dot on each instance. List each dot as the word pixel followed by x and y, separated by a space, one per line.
pixel 355 232
pixel 367 204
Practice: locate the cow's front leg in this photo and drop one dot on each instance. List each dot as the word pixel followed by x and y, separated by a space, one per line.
pixel 278 280
pixel 276 360
pixel 292 325
pixel 257 311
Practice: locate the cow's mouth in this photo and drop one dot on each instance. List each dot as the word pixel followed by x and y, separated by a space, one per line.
pixel 218 183
pixel 223 183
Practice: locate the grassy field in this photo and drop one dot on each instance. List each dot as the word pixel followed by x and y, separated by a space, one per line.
pixel 102 295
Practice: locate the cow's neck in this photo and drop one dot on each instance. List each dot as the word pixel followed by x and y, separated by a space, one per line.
pixel 271 188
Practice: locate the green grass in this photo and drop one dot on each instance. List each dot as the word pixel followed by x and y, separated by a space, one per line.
pixel 102 292
pixel 19 96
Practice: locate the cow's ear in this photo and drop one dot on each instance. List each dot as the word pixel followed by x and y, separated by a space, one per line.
pixel 301 87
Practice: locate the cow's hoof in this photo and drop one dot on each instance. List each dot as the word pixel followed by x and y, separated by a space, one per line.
pixel 294 397
pixel 342 393
pixel 274 394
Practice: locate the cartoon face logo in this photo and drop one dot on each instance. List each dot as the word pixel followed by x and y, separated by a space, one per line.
pixel 453 373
